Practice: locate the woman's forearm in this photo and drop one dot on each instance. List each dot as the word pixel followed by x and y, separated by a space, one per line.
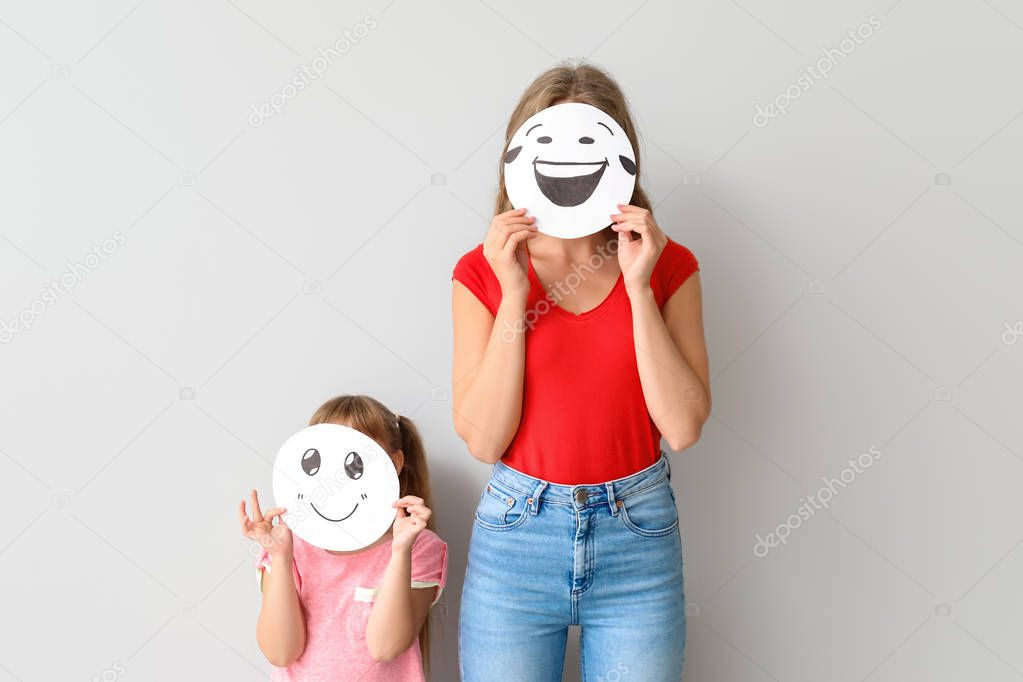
pixel 488 403
pixel 280 631
pixel 676 398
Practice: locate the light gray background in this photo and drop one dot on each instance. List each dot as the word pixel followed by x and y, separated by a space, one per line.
pixel 861 258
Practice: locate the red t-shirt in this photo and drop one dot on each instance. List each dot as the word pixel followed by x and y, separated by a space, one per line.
pixel 584 417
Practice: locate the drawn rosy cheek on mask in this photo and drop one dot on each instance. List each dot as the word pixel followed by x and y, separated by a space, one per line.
pixel 570 166
pixel 337 485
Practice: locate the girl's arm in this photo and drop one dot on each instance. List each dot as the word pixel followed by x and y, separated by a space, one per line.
pixel 490 351
pixel 399 610
pixel 671 352
pixel 280 631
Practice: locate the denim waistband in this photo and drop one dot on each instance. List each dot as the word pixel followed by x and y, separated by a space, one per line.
pixel 580 496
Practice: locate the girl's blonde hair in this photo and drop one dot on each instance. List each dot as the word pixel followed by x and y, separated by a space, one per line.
pixel 393 433
pixel 572 83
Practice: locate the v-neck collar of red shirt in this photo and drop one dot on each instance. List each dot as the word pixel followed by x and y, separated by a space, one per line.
pixel 593 312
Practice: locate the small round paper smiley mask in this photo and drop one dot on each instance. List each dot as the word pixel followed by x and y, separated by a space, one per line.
pixel 570 166
pixel 337 485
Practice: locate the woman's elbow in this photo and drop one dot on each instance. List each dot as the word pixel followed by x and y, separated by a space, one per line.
pixel 681 442
pixel 484 451
pixel 685 435
pixel 480 447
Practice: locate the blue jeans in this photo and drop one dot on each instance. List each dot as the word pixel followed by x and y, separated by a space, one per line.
pixel 543 556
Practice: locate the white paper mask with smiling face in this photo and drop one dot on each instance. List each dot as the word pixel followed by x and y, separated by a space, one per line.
pixel 337 485
pixel 570 166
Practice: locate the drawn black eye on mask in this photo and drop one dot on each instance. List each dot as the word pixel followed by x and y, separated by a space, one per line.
pixel 311 461
pixel 354 466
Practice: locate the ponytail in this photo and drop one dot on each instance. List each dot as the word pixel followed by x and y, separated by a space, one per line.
pixel 414 478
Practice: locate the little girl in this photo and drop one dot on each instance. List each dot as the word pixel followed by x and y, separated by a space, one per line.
pixel 360 615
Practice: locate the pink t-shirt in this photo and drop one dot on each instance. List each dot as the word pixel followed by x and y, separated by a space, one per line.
pixel 337 595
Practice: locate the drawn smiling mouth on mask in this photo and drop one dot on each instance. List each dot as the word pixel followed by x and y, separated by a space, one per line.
pixel 568 183
pixel 334 520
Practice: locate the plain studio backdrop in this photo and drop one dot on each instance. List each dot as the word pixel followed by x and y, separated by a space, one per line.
pixel 215 215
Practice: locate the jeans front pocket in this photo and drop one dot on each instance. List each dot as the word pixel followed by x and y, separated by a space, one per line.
pixel 650 513
pixel 500 508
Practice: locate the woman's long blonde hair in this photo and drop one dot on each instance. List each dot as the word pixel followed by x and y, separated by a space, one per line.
pixel 393 433
pixel 572 83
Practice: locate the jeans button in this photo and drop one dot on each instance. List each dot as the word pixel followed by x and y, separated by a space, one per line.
pixel 580 497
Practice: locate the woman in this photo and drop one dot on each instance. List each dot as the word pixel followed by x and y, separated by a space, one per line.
pixel 572 358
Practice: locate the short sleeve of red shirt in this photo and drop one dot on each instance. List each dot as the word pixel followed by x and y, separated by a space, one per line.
pixel 674 267
pixel 475 274
pixel 430 562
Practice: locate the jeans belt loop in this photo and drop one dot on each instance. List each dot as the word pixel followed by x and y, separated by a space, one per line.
pixel 534 501
pixel 611 498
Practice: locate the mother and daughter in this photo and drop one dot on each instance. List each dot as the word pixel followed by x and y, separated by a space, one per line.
pixel 578 523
